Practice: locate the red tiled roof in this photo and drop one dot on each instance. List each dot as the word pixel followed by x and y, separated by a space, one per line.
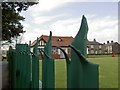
pixel 57 40
pixel 33 43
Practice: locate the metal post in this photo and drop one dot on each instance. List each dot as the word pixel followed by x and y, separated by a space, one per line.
pixel 48 75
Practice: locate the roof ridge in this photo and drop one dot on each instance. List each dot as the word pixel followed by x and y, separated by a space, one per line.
pixel 57 36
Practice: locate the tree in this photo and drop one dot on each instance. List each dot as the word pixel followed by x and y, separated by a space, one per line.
pixel 11 26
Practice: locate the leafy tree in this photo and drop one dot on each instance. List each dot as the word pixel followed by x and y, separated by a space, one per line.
pixel 11 26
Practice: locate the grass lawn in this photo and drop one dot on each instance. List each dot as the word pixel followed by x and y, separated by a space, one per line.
pixel 108 72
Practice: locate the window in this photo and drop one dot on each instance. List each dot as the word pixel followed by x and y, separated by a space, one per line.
pixel 59 39
pixel 54 51
pixel 106 48
pixel 96 51
pixel 100 46
pixel 110 48
pixel 92 46
pixel 92 51
pixel 42 43
pixel 4 52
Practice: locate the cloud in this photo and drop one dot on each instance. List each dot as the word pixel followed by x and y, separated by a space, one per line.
pixel 44 19
pixel 67 23
pixel 65 27
pixel 62 27
pixel 40 20
pixel 45 6
pixel 103 29
pixel 96 0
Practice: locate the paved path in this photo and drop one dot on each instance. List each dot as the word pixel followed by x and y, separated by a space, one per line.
pixel 3 74
pixel 0 75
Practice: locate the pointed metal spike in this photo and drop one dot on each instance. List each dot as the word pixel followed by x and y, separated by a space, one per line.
pixel 48 46
pixel 81 37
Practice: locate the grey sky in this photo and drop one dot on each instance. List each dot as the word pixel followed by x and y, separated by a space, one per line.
pixel 64 18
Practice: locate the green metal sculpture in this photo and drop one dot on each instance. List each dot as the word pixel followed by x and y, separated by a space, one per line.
pixel 35 67
pixel 48 66
pixel 21 68
pixel 80 72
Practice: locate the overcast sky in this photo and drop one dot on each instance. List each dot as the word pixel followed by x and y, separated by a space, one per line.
pixel 63 18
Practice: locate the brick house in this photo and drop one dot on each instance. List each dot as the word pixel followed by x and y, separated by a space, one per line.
pixel 94 47
pixel 62 41
pixel 111 47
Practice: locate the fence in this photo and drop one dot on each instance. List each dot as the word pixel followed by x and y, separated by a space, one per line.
pixel 23 67
pixel 24 64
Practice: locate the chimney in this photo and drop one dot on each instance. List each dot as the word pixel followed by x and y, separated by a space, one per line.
pixel 107 42
pixel 94 40
pixel 112 41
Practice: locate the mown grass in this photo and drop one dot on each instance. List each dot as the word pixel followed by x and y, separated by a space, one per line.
pixel 108 72
pixel 101 55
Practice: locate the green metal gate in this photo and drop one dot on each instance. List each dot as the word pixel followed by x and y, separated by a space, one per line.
pixel 24 64
pixel 23 67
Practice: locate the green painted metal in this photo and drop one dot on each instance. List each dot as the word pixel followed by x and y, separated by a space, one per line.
pixel 20 67
pixel 35 68
pixel 48 66
pixel 84 74
pixel 22 59
pixel 80 72
pixel 68 67
pixel 11 67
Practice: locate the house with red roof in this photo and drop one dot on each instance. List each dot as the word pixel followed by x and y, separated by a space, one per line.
pixel 93 47
pixel 62 41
